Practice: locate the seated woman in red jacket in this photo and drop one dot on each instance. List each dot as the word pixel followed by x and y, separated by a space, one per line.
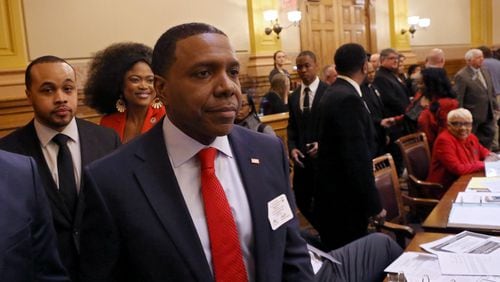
pixel 457 150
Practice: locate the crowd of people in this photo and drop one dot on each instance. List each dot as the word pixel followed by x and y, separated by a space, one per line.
pixel 168 188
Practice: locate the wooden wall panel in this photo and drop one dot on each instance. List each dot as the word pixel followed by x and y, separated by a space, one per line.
pixel 12 50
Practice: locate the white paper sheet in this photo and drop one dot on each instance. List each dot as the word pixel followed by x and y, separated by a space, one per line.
pixel 465 242
pixel 469 264
pixel 484 184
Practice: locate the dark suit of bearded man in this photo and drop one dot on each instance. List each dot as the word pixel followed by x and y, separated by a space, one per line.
pixel 95 142
pixel 28 247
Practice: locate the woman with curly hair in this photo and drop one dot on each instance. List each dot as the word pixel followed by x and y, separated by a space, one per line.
pixel 441 100
pixel 120 86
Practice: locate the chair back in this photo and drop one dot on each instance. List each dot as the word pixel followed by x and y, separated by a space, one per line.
pixel 416 154
pixel 387 183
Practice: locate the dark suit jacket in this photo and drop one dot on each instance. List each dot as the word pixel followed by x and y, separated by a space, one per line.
pixel 28 247
pixel 393 93
pixel 346 195
pixel 137 226
pixel 376 107
pixel 473 96
pixel 273 104
pixel 299 133
pixel 95 142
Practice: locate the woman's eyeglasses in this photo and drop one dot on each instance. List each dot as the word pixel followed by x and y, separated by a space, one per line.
pixel 460 124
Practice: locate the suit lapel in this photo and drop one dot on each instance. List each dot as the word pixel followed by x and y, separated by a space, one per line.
pixel 31 144
pixel 157 179
pixel 88 143
pixel 251 175
pixel 475 78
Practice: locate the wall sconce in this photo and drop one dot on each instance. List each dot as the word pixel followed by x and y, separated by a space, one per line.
pixel 271 16
pixel 414 22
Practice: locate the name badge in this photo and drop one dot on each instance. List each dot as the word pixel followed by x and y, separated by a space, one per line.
pixel 279 211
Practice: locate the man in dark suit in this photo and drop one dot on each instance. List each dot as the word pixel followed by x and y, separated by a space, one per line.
pixel 394 95
pixel 475 93
pixel 303 130
pixel 346 196
pixel 381 123
pixel 51 90
pixel 148 213
pixel 28 246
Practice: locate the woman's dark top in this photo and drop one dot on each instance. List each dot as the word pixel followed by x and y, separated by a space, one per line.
pixel 273 104
pixel 275 71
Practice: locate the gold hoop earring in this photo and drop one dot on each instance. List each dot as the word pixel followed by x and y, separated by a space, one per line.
pixel 120 105
pixel 156 103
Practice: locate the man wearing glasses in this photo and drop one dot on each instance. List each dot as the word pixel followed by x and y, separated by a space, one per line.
pixel 394 96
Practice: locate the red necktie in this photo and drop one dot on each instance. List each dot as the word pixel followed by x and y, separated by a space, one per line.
pixel 227 258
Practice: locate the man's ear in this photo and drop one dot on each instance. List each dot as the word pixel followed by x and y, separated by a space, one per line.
pixel 28 95
pixel 365 68
pixel 160 86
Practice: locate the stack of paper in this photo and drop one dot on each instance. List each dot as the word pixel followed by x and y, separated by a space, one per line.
pixel 484 184
pixel 478 210
pixel 464 257
pixel 492 169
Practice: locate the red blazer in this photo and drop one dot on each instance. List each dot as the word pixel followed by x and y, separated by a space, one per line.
pixel 117 120
pixel 452 158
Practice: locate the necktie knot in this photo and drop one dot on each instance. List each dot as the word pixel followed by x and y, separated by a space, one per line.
pixel 60 139
pixel 207 157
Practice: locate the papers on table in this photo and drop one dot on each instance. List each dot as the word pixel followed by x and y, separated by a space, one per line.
pixel 415 265
pixel 465 242
pixel 492 169
pixel 483 184
pixel 479 210
pixel 463 257
pixel 469 264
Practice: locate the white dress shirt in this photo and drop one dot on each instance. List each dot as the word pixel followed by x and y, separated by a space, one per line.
pixel 50 148
pixel 313 87
pixel 182 152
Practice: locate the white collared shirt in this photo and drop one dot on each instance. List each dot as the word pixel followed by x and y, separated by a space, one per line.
pixel 353 83
pixel 358 89
pixel 313 87
pixel 50 148
pixel 182 152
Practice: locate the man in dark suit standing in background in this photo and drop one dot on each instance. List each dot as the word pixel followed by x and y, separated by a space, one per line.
pixel 475 93
pixel 150 207
pixel 394 96
pixel 346 196
pixel 61 146
pixel 28 242
pixel 303 130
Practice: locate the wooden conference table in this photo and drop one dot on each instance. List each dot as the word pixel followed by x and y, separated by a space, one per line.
pixel 437 221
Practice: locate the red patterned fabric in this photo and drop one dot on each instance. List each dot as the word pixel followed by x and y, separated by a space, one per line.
pixel 117 120
pixel 227 257
pixel 452 158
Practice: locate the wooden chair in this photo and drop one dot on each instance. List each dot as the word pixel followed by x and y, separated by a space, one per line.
pixel 417 159
pixel 387 183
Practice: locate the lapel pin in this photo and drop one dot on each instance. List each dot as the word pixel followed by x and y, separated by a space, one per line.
pixel 255 161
